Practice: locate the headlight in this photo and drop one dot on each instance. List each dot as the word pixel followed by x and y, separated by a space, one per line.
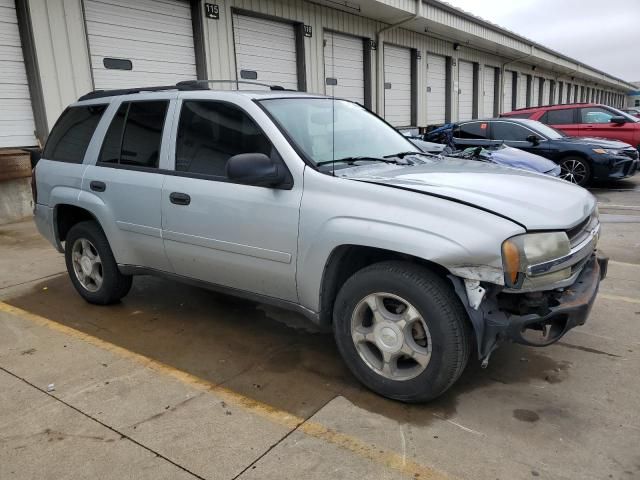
pixel 603 151
pixel 522 251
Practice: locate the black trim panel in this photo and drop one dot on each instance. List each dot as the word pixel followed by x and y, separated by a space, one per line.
pixel 236 292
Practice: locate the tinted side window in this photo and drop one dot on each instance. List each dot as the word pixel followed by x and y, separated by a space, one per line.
pixel 475 130
pixel 209 133
pixel 72 133
pixel 135 134
pixel 509 131
pixel 595 115
pixel 560 117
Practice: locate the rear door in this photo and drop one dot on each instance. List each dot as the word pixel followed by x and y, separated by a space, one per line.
pixel 237 236
pixel 564 119
pixel 596 122
pixel 127 179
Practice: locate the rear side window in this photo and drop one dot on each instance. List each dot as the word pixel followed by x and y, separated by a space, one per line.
pixel 135 134
pixel 475 130
pixel 509 131
pixel 209 133
pixel 72 133
pixel 559 117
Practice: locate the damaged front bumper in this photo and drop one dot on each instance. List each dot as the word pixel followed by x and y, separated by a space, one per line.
pixel 533 318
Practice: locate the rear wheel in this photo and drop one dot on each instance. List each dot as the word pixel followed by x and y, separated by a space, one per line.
pixel 91 266
pixel 575 170
pixel 402 331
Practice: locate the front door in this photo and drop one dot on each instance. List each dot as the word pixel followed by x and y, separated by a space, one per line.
pixel 596 122
pixel 238 236
pixel 516 136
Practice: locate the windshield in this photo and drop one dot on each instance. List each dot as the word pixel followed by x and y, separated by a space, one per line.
pixel 629 118
pixel 327 129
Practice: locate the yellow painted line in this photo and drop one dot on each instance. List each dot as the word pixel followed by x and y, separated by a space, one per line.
pixel 368 451
pixel 619 297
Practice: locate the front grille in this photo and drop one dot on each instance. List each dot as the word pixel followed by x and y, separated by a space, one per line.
pixel 581 231
pixel 630 152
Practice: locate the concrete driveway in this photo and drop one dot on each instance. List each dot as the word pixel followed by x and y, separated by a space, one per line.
pixel 178 382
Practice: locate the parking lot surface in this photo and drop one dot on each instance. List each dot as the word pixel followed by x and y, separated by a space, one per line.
pixel 179 382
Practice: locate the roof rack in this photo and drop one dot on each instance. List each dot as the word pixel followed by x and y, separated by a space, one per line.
pixel 181 86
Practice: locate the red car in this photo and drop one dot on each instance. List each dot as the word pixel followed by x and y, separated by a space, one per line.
pixel 586 120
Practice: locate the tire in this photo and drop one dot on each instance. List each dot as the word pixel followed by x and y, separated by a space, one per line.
pixel 446 328
pixel 84 241
pixel 575 170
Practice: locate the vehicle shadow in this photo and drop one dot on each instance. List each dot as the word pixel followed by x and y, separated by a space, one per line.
pixel 270 355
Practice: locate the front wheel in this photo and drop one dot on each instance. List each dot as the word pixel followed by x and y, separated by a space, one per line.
pixel 402 331
pixel 575 170
pixel 91 266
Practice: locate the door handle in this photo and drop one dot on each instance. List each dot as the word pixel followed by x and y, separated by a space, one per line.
pixel 178 198
pixel 97 186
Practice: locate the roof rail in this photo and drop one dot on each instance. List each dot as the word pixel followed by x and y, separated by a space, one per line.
pixel 185 85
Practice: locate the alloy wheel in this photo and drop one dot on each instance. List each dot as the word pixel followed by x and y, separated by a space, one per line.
pixel 573 171
pixel 391 336
pixel 87 264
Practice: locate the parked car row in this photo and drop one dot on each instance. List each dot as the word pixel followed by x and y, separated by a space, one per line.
pixel 582 160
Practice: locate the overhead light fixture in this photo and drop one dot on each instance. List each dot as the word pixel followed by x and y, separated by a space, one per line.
pixel 456 46
pixel 533 67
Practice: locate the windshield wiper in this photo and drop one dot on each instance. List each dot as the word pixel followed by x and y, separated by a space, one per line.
pixel 352 160
pixel 404 154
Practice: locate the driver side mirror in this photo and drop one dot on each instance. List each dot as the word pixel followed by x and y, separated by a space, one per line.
pixel 618 119
pixel 533 139
pixel 259 170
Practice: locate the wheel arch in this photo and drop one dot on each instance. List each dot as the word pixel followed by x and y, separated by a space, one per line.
pixel 345 260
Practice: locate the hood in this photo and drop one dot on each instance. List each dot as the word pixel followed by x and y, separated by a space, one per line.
pixel 536 201
pixel 595 142
pixel 513 157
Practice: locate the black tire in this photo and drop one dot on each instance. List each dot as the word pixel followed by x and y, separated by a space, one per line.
pixel 114 285
pixel 568 164
pixel 442 311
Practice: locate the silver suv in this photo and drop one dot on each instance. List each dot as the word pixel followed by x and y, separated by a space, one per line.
pixel 317 205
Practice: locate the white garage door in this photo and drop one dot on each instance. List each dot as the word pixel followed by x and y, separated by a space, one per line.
pixel 436 89
pixel 488 92
pixel 545 91
pixel 522 91
pixel 344 66
pixel 535 92
pixel 16 115
pixel 507 91
pixel 465 92
pixel 265 51
pixel 146 43
pixel 397 85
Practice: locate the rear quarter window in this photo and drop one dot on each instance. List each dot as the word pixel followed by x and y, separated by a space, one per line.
pixel 70 137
